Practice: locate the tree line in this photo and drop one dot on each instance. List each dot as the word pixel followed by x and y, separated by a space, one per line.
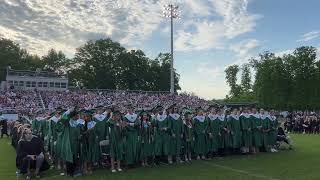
pixel 100 64
pixel 291 81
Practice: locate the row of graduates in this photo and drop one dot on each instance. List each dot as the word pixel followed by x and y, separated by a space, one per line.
pixel 80 138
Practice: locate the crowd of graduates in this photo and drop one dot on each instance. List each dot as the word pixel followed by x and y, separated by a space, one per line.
pixel 77 141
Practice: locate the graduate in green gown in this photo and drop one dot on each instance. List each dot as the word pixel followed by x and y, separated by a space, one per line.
pixel 101 117
pixel 188 136
pixel 81 149
pixel 256 130
pixel 225 138
pixel 43 129
pixel 54 136
pixel 69 139
pixel 93 148
pixel 146 134
pixel 266 127
pixel 233 120
pixel 200 126
pixel 35 125
pixel 246 127
pixel 162 134
pixel 214 135
pixel 176 133
pixel 131 136
pixel 100 130
pixel 116 140
pixel 273 131
pixel 85 116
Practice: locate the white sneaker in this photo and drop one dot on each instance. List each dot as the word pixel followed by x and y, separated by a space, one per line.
pixel 119 169
pixel 113 170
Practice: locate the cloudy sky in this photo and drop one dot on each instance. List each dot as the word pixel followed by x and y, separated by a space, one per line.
pixel 211 35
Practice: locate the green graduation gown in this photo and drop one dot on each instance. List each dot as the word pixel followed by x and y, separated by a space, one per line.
pixel 256 130
pixel 36 126
pixel 74 137
pixel 94 152
pixel 266 127
pixel 162 137
pixel 200 127
pixel 176 134
pixel 101 127
pixel 131 145
pixel 235 131
pixel 116 140
pixel 214 130
pixel 188 137
pixel 147 145
pixel 63 142
pixel 273 130
pixel 225 139
pixel 246 126
pixel 53 135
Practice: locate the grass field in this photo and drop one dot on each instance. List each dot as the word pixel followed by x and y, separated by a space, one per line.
pixel 301 163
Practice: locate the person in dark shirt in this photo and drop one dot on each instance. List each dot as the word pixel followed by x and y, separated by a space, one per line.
pixel 281 136
pixel 30 154
pixel 4 127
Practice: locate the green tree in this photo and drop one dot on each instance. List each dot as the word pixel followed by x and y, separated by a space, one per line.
pixel 17 58
pixel 105 64
pixel 231 77
pixel 246 78
pixel 54 61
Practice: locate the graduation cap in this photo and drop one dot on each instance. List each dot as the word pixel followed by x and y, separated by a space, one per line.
pixel 198 109
pixel 172 106
pixel 99 107
pixel 116 112
pixel 184 108
pixel 59 109
pixel 211 106
pixel 158 108
pixel 144 112
pixel 187 111
pixel 86 111
pixel 74 113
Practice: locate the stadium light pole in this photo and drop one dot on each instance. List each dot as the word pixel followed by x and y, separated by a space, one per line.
pixel 171 11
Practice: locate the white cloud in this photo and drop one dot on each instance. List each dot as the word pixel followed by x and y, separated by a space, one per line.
pixel 244 47
pixel 309 36
pixel 284 52
pixel 230 20
pixel 198 7
pixel 68 24
pixel 208 70
pixel 71 23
